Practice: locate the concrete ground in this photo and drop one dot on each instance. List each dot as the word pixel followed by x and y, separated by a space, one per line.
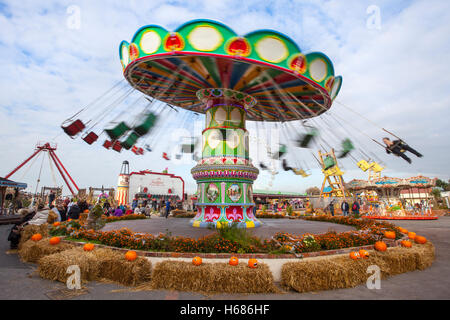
pixel 20 281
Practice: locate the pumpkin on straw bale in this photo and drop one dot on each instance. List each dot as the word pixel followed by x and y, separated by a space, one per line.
pixel 32 251
pixel 340 272
pixel 99 264
pixel 212 277
pixel 115 268
pixel 31 229
pixel 327 273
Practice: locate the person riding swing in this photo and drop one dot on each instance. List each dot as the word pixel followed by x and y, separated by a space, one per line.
pixel 398 148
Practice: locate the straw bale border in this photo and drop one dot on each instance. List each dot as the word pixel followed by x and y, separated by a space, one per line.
pixel 342 272
pixel 212 277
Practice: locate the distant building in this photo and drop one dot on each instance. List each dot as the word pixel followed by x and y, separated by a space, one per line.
pixel 155 184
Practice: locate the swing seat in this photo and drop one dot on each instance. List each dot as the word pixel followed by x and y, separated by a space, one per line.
pixel 74 128
pixel 146 125
pixel 307 138
pixel 347 146
pixel 376 167
pixel 90 138
pixel 328 162
pixel 300 172
pixel 280 152
pixel 137 151
pixel 117 131
pixel 363 165
pixel 130 140
pixel 107 144
pixel 117 146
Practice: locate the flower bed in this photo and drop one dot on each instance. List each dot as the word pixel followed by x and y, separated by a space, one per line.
pixel 183 214
pixel 367 233
pixel 125 238
pixel 268 215
pixel 125 217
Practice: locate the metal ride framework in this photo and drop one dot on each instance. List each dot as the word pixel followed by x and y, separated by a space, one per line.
pixel 50 148
pixel 333 175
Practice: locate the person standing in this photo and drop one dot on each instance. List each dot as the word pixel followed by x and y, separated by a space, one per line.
pixel 345 207
pixel 167 208
pixel 331 207
pixel 51 197
pixel 56 211
pixel 74 211
pixel 355 208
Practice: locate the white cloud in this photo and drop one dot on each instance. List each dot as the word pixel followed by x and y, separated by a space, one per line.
pixel 397 76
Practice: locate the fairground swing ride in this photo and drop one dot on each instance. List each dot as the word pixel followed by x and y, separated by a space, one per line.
pixel 204 69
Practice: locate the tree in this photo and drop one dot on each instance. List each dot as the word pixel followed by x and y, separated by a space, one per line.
pixel 312 191
pixel 442 184
pixel 436 193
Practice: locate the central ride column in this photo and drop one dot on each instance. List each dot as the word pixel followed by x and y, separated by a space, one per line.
pixel 225 174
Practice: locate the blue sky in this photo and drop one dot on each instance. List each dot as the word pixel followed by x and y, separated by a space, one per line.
pixel 396 75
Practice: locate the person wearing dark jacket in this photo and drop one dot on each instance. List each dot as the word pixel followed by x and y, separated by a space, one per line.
pixel 168 206
pixel 398 148
pixel 15 233
pixel 345 207
pixel 62 211
pixel 355 208
pixel 74 212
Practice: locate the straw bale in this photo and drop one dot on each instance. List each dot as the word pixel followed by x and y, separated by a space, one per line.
pixel 31 229
pixel 32 251
pixel 425 255
pixel 52 217
pixel 343 272
pixel 212 277
pixel 115 267
pixel 99 264
pixel 54 267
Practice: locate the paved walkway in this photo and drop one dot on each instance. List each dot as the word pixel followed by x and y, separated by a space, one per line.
pixel 19 280
pixel 181 227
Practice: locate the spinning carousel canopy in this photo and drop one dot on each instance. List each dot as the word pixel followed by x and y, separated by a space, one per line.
pixel 265 64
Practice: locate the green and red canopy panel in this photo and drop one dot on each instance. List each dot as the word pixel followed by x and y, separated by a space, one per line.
pixel 269 66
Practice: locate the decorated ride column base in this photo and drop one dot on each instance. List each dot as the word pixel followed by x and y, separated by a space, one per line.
pixel 225 174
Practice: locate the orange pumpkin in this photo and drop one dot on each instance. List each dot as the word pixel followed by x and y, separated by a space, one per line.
pixel 403 230
pixel 363 253
pixel 57 223
pixel 233 261
pixel 411 235
pixel 54 240
pixel 197 261
pixel 36 237
pixel 420 239
pixel 406 244
pixel 252 263
pixel 389 234
pixel 354 255
pixel 88 247
pixel 380 246
pixel 131 255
